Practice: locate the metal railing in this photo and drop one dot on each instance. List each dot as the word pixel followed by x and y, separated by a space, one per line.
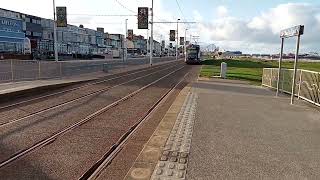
pixel 307 86
pixel 22 70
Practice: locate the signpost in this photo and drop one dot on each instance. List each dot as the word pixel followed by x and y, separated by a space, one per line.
pixel 286 33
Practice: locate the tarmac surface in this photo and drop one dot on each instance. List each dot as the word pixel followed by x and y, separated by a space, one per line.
pixel 245 132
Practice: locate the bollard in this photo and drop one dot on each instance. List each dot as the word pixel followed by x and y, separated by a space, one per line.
pixel 223 72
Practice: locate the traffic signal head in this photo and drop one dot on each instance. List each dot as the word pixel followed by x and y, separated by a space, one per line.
pixel 143 18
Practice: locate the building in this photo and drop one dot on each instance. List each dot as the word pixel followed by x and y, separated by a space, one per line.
pixel 46 42
pixel 156 47
pixel 33 30
pixel 20 32
pixel 12 36
pixel 140 44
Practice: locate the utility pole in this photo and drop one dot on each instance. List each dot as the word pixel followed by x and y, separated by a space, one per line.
pixel 148 41
pixel 151 39
pixel 177 43
pixel 185 44
pixel 55 33
pixel 126 42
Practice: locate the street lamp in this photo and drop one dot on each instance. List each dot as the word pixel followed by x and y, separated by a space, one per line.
pixel 55 32
pixel 177 43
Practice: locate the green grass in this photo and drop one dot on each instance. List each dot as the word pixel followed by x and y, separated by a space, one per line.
pixel 249 69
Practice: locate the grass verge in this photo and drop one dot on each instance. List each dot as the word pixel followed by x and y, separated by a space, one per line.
pixel 249 69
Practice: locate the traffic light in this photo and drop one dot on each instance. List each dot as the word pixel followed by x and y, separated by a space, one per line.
pixel 143 18
pixel 181 41
pixel 62 17
pixel 172 35
pixel 130 34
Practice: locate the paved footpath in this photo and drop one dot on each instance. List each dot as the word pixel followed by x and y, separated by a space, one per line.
pixel 224 129
pixel 245 132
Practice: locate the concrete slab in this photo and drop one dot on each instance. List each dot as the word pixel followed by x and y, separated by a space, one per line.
pixel 245 132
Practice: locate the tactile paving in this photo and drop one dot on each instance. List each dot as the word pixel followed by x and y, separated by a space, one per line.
pixel 174 158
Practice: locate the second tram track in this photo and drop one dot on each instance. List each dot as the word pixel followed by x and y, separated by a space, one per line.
pixel 48 140
pixel 81 97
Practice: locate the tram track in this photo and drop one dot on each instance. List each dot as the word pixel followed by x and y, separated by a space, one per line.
pixel 96 82
pixel 106 159
pixel 72 100
pixel 49 140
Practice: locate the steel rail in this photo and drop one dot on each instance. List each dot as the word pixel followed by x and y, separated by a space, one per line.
pixel 100 165
pixel 76 99
pixel 64 131
pixel 76 88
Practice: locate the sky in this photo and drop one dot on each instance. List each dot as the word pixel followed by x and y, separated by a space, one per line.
pixel 250 26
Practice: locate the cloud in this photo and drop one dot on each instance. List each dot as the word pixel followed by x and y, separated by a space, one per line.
pixel 261 33
pixel 222 11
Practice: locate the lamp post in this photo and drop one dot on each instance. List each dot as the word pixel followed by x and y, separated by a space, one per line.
pixel 177 43
pixel 55 32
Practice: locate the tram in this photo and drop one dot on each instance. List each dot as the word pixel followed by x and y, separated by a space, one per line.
pixel 193 54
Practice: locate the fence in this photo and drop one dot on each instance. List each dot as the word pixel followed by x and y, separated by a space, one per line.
pixel 20 70
pixel 307 86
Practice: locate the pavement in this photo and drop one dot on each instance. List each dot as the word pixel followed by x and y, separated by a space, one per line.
pixel 228 129
pixel 245 132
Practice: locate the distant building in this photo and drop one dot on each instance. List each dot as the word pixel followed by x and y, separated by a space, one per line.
pixel 11 32
pixel 33 30
pixel 140 45
pixel 231 53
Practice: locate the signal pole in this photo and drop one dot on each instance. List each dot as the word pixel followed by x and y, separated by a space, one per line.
pixel 177 45
pixel 55 33
pixel 185 44
pixel 151 39
pixel 126 42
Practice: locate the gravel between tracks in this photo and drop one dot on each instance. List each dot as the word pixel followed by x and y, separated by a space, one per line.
pixel 23 134
pixel 26 109
pixel 71 155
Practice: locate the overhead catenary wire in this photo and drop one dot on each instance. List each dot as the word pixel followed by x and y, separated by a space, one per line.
pixel 181 12
pixel 112 15
pixel 125 7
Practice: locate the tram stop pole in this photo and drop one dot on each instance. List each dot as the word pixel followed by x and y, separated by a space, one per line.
pixel 287 33
pixel 280 66
pixel 294 79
